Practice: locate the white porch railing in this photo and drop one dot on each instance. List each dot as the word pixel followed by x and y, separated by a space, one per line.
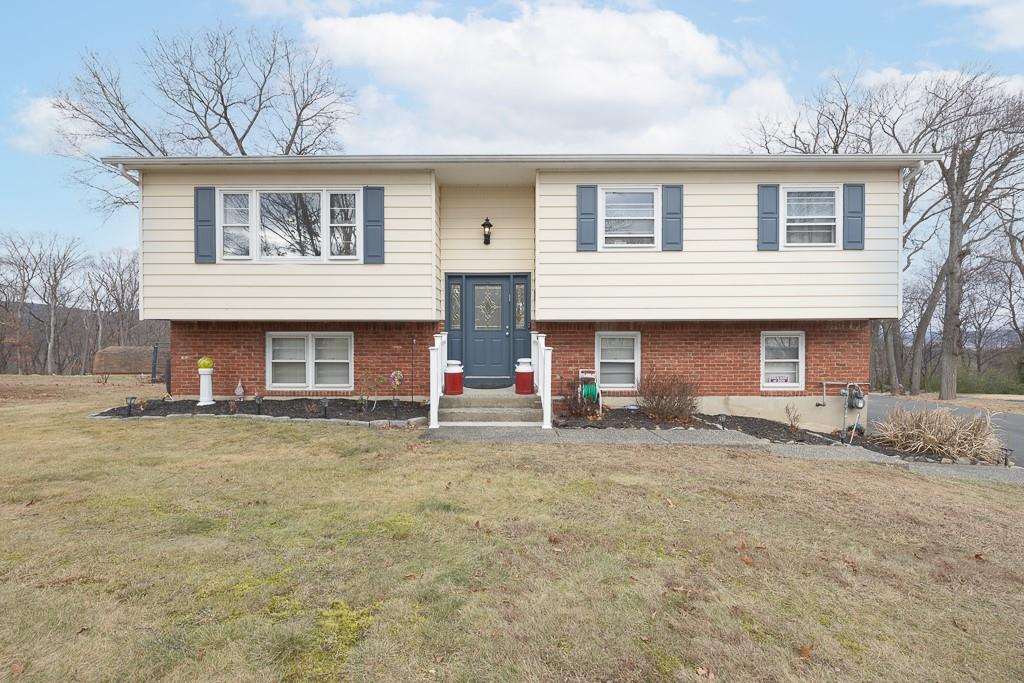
pixel 438 361
pixel 540 356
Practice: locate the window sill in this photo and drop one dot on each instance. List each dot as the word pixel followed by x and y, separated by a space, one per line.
pixel 783 387
pixel 306 387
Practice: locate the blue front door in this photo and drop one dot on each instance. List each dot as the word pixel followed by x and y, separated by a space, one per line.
pixel 487 326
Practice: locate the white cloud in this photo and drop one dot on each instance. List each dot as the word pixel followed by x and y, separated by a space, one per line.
pixel 37 126
pixel 1001 21
pixel 553 77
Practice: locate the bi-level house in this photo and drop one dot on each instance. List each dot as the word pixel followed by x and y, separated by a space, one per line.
pixel 755 277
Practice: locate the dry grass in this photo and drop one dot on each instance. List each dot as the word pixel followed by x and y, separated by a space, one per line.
pixel 941 432
pixel 220 549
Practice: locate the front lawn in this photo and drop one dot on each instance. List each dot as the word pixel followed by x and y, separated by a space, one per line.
pixel 214 548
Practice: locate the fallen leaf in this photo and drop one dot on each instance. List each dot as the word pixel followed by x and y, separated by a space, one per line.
pixel 557 550
pixel 477 525
pixel 704 672
pixel 670 503
pixel 979 556
pixel 409 577
pixel 745 559
pixel 554 538
pixel 84 629
pixel 760 547
pixel 17 669
pixel 806 651
pixel 438 658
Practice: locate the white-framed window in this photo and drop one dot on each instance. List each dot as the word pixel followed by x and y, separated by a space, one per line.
pixel 235 225
pixel 617 359
pixel 629 217
pixel 289 224
pixel 310 360
pixel 782 360
pixel 810 215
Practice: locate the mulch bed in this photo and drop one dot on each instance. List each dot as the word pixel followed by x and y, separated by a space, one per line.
pixel 776 432
pixel 337 408
pixel 770 430
pixel 621 418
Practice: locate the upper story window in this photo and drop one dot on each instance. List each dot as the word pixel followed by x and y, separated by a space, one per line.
pixel 810 216
pixel 629 217
pixel 280 225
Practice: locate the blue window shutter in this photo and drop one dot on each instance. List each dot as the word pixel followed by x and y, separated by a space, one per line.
pixel 853 216
pixel 206 225
pixel 373 225
pixel 672 218
pixel 586 218
pixel 768 217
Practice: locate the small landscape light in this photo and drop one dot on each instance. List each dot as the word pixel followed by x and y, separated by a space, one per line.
pixel 324 402
pixel 259 404
pixel 130 402
pixel 487 225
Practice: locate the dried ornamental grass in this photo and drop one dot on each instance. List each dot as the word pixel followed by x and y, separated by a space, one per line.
pixel 942 433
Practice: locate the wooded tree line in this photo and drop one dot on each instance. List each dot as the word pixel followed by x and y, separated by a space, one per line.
pixel 60 304
pixel 963 238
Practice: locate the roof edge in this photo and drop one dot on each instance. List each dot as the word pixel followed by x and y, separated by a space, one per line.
pixel 423 161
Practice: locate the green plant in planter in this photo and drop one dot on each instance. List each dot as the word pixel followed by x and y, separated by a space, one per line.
pixel 204 363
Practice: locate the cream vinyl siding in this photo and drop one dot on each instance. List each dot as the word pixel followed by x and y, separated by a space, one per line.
pixel 511 210
pixel 720 274
pixel 404 287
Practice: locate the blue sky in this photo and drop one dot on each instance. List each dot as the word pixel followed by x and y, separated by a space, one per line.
pixel 512 77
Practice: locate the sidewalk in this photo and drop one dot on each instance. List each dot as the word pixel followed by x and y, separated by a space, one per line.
pixel 723 438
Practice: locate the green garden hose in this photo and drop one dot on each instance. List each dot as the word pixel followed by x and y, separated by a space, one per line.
pixel 590 392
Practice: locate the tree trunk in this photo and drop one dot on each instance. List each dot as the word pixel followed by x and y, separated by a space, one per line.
pixel 50 334
pixel 889 329
pixel 921 333
pixel 949 360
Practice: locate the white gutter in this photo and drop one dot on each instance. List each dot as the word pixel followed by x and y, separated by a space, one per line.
pixel 547 161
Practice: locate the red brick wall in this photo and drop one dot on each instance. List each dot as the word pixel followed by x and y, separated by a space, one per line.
pixel 719 358
pixel 239 351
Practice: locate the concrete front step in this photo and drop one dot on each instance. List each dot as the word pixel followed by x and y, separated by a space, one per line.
pixel 489 414
pixel 489 399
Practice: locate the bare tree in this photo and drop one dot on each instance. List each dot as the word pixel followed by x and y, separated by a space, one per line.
pixel 58 261
pixel 215 92
pixel 978 125
pixel 19 256
pixel 116 274
pixel 983 308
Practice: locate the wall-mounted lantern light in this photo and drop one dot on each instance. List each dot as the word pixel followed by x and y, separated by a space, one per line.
pixel 486 225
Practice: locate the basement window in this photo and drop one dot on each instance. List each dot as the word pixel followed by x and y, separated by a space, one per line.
pixel 782 360
pixel 618 359
pixel 309 360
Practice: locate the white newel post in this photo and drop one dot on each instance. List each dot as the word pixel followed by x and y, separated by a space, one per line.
pixel 205 386
pixel 546 389
pixel 438 356
pixel 537 358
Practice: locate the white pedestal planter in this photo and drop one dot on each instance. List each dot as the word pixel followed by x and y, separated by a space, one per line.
pixel 205 387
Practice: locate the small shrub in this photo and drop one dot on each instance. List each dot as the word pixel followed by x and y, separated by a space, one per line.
pixel 942 433
pixel 667 398
pixel 793 417
pixel 573 403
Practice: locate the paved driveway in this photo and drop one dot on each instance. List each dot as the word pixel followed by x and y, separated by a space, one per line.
pixel 1011 425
